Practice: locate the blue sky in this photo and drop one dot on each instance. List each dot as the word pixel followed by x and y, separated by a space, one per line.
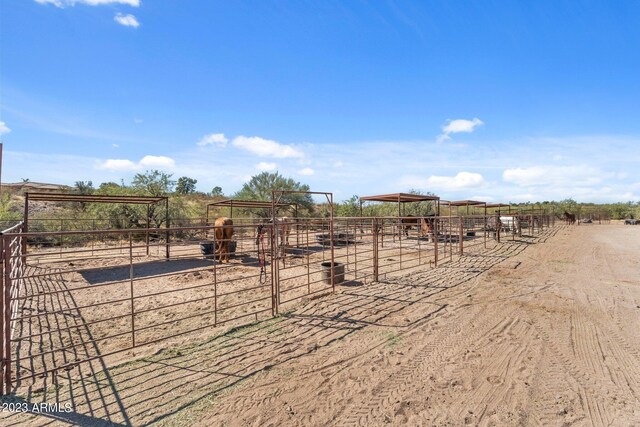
pixel 491 100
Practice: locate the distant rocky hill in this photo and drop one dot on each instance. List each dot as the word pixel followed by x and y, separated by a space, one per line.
pixel 22 187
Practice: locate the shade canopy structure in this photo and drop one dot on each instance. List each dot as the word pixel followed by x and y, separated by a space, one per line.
pixel 90 198
pixel 249 204
pixel 459 203
pixel 400 199
pixel 103 198
pixel 463 203
pixel 498 206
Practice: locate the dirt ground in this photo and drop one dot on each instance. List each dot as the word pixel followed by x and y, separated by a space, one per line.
pixel 537 331
pixel 77 304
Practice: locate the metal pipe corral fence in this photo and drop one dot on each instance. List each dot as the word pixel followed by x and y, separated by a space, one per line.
pixel 81 295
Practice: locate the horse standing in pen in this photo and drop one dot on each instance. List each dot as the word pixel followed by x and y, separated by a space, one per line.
pixel 425 225
pixel 282 228
pixel 223 233
pixel 494 225
pixel 570 218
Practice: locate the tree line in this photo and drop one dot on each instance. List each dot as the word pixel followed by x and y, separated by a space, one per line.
pixel 187 206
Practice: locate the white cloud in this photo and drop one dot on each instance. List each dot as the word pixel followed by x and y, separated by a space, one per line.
pixel 458 126
pixel 117 165
pixel 4 128
pixel 65 3
pixel 563 176
pixel 213 139
pixel 461 181
pixel 128 165
pixel 157 162
pixel 306 172
pixel 137 120
pixel 525 176
pixel 264 166
pixel 266 147
pixel 115 145
pixel 338 164
pixel 126 20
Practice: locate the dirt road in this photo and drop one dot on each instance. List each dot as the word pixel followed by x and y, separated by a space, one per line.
pixel 541 331
pixel 550 336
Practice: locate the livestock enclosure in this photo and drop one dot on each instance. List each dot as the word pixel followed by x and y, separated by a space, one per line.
pixel 79 295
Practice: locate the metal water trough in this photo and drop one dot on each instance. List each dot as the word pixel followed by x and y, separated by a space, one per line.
pixel 339 239
pixel 338 274
pixel 207 248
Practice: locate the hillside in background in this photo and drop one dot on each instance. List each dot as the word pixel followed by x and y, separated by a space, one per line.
pixel 190 208
pixel 22 187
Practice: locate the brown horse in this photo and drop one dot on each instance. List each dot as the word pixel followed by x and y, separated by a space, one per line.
pixel 570 218
pixel 223 232
pixel 283 225
pixel 426 224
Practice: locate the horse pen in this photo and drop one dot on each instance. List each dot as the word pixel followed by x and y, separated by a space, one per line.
pixel 79 295
pixel 82 307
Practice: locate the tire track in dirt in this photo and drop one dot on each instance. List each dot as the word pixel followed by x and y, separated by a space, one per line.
pixel 390 389
pixel 489 396
pixel 548 356
pixel 449 276
pixel 322 375
pixel 444 281
pixel 436 352
pixel 599 363
pixel 590 388
pixel 461 271
pixel 554 396
pixel 613 345
pixel 605 348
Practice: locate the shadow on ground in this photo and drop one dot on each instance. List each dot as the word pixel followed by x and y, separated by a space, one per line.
pixel 154 388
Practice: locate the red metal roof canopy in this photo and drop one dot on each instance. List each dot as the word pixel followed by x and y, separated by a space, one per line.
pixel 253 204
pixel 399 198
pixel 90 198
pixel 463 203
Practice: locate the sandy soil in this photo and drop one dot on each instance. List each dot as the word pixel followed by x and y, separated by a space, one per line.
pixel 537 331
pixel 77 301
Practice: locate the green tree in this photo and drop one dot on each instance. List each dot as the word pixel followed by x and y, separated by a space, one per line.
pixel 10 212
pixel 153 183
pixel 349 207
pixel 84 187
pixel 260 186
pixel 567 205
pixel 186 185
pixel 124 215
pixel 423 208
pixel 217 191
pixel 107 187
